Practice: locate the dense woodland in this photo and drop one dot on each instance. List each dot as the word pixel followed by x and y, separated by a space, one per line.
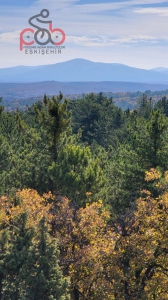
pixel 84 200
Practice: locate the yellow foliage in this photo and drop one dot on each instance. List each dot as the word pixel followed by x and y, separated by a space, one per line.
pixel 152 175
pixel 26 201
pixel 104 261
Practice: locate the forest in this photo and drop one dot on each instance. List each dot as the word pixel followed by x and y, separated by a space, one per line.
pixel 84 200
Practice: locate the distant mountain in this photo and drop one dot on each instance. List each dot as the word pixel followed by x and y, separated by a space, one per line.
pixel 161 69
pixel 81 70
pixel 18 91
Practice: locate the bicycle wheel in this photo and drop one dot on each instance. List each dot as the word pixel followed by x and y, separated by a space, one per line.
pixel 58 36
pixel 42 37
pixel 28 36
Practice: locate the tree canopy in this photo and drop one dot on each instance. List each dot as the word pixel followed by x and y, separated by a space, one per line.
pixel 84 200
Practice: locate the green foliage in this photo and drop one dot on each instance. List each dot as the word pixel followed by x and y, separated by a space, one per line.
pixel 98 159
pixel 76 173
pixel 99 119
pixel 125 178
pixel 6 160
pixel 55 118
pixel 14 261
pixel 163 105
pixel 34 138
pixel 157 127
pixel 39 149
pixel 43 277
pixel 29 264
pixel 1 107
pixel 145 106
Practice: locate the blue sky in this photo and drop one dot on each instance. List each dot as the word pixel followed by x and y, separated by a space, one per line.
pixel 131 32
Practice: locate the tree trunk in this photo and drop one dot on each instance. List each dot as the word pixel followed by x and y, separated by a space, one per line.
pixel 76 294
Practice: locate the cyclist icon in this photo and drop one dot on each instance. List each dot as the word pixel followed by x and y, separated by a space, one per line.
pixel 41 36
pixel 42 31
pixel 44 14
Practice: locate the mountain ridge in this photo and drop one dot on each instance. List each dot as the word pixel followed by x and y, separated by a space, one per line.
pixel 82 70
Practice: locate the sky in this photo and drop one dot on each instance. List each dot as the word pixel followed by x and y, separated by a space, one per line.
pixel 131 32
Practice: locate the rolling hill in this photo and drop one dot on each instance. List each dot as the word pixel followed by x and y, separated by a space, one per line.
pixel 81 70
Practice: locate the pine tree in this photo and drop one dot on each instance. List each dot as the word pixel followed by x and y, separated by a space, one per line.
pixel 145 106
pixel 55 119
pixel 76 173
pixel 162 105
pixel 157 126
pixel 52 120
pixel 44 279
pixel 15 258
pixel 4 248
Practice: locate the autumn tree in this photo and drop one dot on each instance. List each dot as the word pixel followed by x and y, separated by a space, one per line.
pixel 85 242
pixel 140 256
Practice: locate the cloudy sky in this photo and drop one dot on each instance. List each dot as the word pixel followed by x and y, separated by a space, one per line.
pixel 132 32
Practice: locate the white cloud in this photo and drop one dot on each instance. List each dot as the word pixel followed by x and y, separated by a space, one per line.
pixel 10 37
pixel 92 41
pixel 159 11
pixel 102 41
